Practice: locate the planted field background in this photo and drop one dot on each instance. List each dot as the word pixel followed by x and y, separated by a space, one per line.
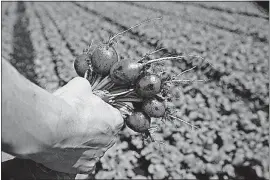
pixel 41 39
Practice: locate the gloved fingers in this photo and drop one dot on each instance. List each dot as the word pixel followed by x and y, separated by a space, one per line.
pixel 76 86
pixel 84 166
pixel 95 155
pixel 84 176
pixel 110 144
pixel 98 140
pixel 118 121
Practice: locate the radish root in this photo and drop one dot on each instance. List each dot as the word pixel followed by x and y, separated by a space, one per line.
pixel 145 21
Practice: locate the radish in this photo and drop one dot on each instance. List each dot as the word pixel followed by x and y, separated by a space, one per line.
pixel 148 86
pixel 81 64
pixel 125 72
pixel 103 58
pixel 138 122
pixel 128 71
pixel 105 55
pixel 154 108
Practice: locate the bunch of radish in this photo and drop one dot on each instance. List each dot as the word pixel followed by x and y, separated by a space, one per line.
pixel 127 84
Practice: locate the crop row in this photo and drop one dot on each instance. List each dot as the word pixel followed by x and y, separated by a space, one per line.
pixel 46 76
pixel 203 41
pixel 61 55
pixel 204 112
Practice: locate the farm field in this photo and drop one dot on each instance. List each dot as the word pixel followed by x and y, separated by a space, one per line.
pixel 231 109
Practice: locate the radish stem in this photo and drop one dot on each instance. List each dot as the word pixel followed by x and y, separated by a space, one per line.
pixel 185 80
pixel 150 53
pixel 103 82
pixel 87 50
pixel 162 59
pixel 119 88
pixel 122 93
pixel 128 100
pixel 118 91
pixel 126 105
pixel 170 58
pixel 108 86
pixel 148 134
pixel 122 109
pixel 145 21
pixel 183 121
pixel 186 71
pixel 86 74
pixel 93 79
pixel 154 128
pixel 99 77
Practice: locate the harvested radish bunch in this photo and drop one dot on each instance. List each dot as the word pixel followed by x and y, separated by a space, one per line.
pixel 105 56
pixel 128 86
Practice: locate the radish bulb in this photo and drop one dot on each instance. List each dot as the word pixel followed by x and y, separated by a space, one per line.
pixel 154 108
pixel 125 72
pixel 81 64
pixel 138 122
pixel 103 58
pixel 148 86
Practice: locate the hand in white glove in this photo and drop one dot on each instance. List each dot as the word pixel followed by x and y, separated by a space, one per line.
pixel 83 134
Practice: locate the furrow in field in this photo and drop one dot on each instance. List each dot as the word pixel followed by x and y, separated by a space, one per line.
pixel 22 57
pixel 50 48
pixel 61 55
pixel 44 66
pixel 218 73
